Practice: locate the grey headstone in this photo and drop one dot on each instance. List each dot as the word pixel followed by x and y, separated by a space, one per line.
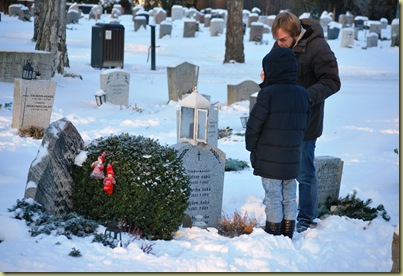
pixel 176 12
pixel 375 26
pixel 359 24
pixel 347 38
pixel 115 83
pixel 394 27
pixel 256 32
pixel 182 79
pixel 205 166
pixel 241 91
pixel 33 103
pixel 14 9
pixel 324 22
pixel 207 19
pixel 346 20
pixel 11 63
pixel 328 170
pixel 140 21
pixel 252 101
pixel 165 29
pixel 332 32
pixel 216 26
pixel 24 14
pixel 160 16
pixel 253 17
pixel 72 17
pixel 49 179
pixel 372 40
pixel 189 28
pixel 384 23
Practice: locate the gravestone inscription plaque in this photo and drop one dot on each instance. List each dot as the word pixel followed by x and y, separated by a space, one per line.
pixel 205 165
pixel 115 83
pixel 33 103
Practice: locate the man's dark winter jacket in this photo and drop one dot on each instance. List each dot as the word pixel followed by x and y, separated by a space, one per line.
pixel 317 72
pixel 277 121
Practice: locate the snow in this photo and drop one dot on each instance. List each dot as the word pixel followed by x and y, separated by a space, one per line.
pixel 361 127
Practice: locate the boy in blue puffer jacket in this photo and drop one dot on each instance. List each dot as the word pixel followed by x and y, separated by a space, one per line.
pixel 274 133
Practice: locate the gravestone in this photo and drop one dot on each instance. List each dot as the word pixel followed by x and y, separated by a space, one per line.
pixel 256 32
pixel 12 61
pixel 241 91
pixel 212 131
pixel 372 40
pixel 333 30
pixel 176 12
pixel 24 14
pixel 346 20
pixel 95 12
pixel 375 27
pixel 165 29
pixel 253 17
pixel 205 166
pixel 347 38
pixel 160 16
pixel 394 27
pixel 33 103
pixel 72 17
pixel 328 171
pixel 207 19
pixel 216 26
pixel 190 27
pixel 49 179
pixel 384 23
pixel 14 9
pixel 182 79
pixel 252 100
pixel 115 83
pixel 140 21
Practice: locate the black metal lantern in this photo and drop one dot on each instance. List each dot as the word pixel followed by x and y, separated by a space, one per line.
pixel 27 71
pixel 100 97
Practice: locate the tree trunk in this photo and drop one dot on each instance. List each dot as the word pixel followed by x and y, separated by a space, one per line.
pixel 234 48
pixel 50 31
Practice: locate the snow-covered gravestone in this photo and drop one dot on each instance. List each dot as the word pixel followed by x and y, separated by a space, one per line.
pixel 182 79
pixel 165 28
pixel 115 83
pixel 49 178
pixel 216 26
pixel 241 91
pixel 176 12
pixel 347 38
pixel 333 30
pixel 372 40
pixel 203 163
pixel 33 103
pixel 328 171
pixel 256 32
pixel 190 27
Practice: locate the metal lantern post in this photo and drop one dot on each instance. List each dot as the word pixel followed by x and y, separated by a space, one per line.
pixel 27 71
pixel 100 97
pixel 194 118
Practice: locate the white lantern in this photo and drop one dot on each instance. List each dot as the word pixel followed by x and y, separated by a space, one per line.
pixel 194 118
pixel 100 97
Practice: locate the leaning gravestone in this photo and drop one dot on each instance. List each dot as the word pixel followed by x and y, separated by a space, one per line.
pixel 182 79
pixel 33 103
pixel 205 166
pixel 115 84
pixel 49 178
pixel 160 16
pixel 328 171
pixel 241 91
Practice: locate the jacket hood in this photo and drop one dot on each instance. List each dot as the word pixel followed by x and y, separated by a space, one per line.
pixel 280 66
pixel 313 29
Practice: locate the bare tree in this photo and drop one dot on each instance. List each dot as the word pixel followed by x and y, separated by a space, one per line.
pixel 234 48
pixel 50 31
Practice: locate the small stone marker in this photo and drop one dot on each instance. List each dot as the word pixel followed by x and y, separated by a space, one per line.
pixel 182 79
pixel 256 32
pixel 372 40
pixel 328 170
pixel 205 165
pixel 347 38
pixel 241 91
pixel 33 103
pixel 176 12
pixel 216 26
pixel 160 16
pixel 165 29
pixel 115 83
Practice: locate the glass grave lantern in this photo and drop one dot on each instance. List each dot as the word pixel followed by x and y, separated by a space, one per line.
pixel 194 118
pixel 100 97
pixel 27 71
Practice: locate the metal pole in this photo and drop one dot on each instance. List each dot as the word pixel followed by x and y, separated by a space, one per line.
pixel 152 47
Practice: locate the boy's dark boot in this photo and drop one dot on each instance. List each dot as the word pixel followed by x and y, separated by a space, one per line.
pixel 288 227
pixel 273 228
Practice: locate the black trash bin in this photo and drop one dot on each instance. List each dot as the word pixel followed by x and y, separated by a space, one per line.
pixel 107 45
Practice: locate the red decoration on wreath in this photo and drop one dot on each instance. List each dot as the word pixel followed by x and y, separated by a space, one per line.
pixel 109 181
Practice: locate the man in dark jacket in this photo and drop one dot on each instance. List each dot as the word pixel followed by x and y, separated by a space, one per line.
pixel 318 73
pixel 274 133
